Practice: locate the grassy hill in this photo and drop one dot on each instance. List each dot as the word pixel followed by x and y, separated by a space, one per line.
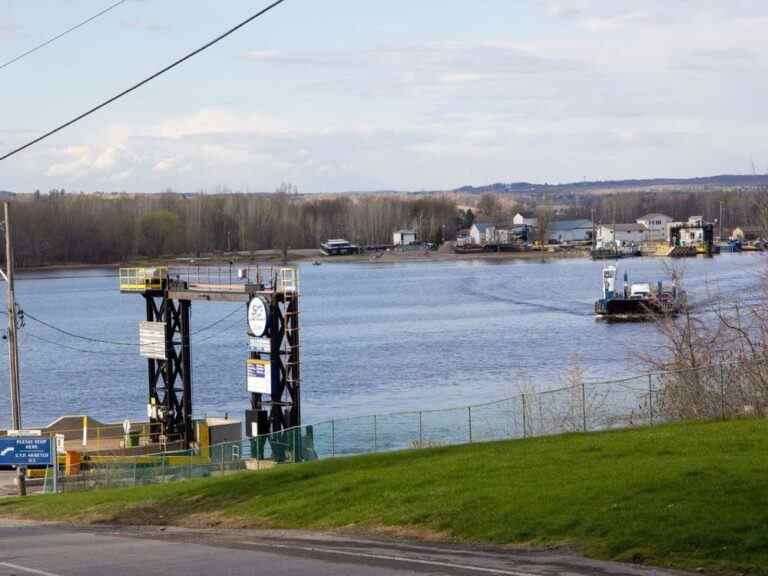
pixel 684 495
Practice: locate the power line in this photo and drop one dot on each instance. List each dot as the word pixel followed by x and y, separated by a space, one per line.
pixel 212 336
pixel 61 34
pixel 142 82
pixel 75 349
pixel 73 335
pixel 217 322
pixel 115 342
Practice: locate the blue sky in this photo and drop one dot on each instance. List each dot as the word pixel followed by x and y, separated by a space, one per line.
pixel 351 95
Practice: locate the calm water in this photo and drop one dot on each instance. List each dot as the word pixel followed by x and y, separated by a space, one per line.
pixel 375 337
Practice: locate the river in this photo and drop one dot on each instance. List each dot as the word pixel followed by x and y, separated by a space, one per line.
pixel 375 337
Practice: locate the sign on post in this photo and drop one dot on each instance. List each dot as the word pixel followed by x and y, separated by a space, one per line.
pixel 152 340
pixel 26 451
pixel 260 344
pixel 259 376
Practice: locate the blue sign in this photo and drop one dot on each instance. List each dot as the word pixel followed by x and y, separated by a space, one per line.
pixel 26 451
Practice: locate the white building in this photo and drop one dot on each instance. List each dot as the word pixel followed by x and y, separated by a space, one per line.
pixel 695 232
pixel 620 234
pixel 403 237
pixel 482 233
pixel 656 225
pixel 520 220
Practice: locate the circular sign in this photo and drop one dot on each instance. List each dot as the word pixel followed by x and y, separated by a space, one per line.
pixel 258 316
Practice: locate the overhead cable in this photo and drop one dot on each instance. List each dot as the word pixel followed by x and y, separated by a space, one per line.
pixel 61 34
pixel 119 343
pixel 74 335
pixel 75 349
pixel 142 82
pixel 217 322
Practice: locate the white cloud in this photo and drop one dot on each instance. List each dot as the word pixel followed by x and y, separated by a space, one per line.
pixel 166 164
pixel 626 88
pixel 73 161
pixel 113 157
pixel 208 122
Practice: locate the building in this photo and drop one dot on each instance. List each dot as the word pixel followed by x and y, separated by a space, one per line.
pixel 512 234
pixel 610 235
pixel 520 220
pixel 694 232
pixel 338 247
pixel 656 226
pixel 569 231
pixel 482 233
pixel 404 237
pixel 463 237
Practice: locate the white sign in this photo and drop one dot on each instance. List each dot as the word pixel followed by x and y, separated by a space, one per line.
pixel 152 340
pixel 259 376
pixel 262 345
pixel 60 447
pixel 258 316
pixel 24 433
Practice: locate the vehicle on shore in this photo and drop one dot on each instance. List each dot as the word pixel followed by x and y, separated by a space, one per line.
pixel 639 301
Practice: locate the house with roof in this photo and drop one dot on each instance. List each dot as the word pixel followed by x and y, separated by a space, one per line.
pixel 522 220
pixel 403 237
pixel 694 232
pixel 656 226
pixel 613 235
pixel 569 231
pixel 482 233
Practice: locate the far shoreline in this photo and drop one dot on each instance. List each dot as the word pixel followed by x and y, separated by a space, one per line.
pixel 302 255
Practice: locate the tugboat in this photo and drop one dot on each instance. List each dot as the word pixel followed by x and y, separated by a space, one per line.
pixel 638 301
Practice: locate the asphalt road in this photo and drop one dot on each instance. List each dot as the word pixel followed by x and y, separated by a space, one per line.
pixel 58 550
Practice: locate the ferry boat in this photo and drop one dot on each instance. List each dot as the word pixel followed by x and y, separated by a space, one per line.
pixel 638 301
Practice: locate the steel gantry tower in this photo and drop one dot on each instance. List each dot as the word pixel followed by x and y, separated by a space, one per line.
pixel 273 375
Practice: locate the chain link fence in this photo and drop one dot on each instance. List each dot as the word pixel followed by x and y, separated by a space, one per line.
pixel 712 392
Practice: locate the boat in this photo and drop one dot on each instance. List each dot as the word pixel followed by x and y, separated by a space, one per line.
pixel 469 249
pixel 638 301
pixel 613 252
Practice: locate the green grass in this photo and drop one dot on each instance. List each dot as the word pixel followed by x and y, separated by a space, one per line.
pixel 682 495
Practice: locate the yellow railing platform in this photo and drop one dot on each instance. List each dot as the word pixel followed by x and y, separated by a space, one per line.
pixel 142 279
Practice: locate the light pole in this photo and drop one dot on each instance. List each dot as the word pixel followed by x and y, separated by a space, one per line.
pixel 13 349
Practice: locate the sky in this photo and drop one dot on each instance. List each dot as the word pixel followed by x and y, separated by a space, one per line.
pixel 344 95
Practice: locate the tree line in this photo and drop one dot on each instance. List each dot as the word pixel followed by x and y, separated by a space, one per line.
pixel 730 207
pixel 57 227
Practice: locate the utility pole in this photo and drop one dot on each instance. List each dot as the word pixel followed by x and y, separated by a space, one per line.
pixel 721 220
pixel 13 349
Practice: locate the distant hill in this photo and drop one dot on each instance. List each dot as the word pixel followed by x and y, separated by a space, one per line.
pixel 597 186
